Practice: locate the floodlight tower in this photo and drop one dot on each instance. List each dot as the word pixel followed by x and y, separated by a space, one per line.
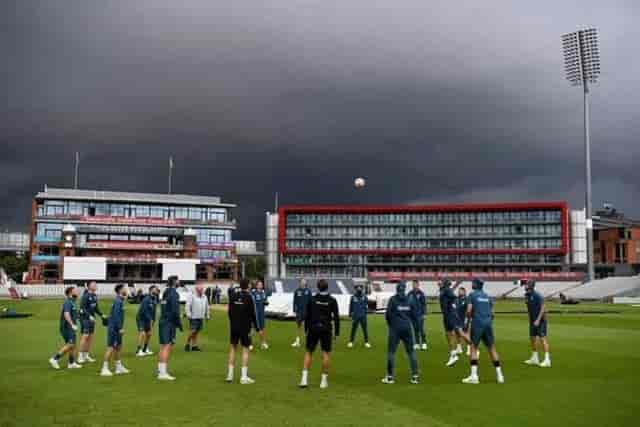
pixel 582 67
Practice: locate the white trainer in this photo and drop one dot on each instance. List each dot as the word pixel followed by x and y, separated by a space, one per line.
pixel 367 345
pixel 500 379
pixel 295 344
pixel 121 370
pixel 54 363
pixel 453 359
pixel 545 363
pixel 265 346
pixel 89 359
pixel 471 379
pixel 350 345
pixel 246 381
pixel 424 346
pixel 388 380
pixel 416 346
pixel 141 354
pixel 532 361
pixel 166 377
pixel 324 383
pixel 148 353
pixel 74 366
pixel 106 373
pixel 251 348
pixel 80 359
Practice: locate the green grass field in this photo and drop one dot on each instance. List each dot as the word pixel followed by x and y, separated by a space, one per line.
pixel 595 379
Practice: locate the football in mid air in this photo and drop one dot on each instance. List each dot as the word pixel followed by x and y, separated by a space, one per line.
pixel 359 183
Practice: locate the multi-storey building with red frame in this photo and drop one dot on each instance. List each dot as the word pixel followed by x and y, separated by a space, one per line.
pixel 79 235
pixel 506 240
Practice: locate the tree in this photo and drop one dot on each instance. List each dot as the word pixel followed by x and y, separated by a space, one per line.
pixel 14 266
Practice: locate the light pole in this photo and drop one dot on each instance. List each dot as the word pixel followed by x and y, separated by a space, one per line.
pixel 582 67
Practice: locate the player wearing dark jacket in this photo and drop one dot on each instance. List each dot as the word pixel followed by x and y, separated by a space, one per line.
pixel 401 316
pixel 301 297
pixel 169 322
pixel 419 300
pixel 358 308
pixel 68 328
pixel 321 325
pixel 242 317
pixel 115 331
pixel 145 318
pixel 89 310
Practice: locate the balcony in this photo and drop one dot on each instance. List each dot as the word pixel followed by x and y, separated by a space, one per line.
pixel 123 220
pixel 46 239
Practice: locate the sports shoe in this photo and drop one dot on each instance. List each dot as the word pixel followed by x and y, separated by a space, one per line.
pixel 545 363
pixel 54 363
pixel 424 346
pixel 367 345
pixel 532 361
pixel 303 384
pixel 89 359
pixel 452 360
pixel 459 350
pixel 468 351
pixel 415 379
pixel 471 379
pixel 187 347
pixel 196 348
pixel 350 345
pixel 264 346
pixel 500 379
pixel 80 359
pixel 229 379
pixel 148 353
pixel 74 366
pixel 141 354
pixel 416 346
pixel 251 348
pixel 295 344
pixel 388 380
pixel 166 377
pixel 121 370
pixel 106 373
pixel 246 381
pixel 324 383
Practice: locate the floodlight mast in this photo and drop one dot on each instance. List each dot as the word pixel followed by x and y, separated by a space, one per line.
pixel 582 67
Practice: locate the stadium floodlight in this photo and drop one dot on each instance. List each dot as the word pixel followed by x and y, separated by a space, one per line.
pixel 582 67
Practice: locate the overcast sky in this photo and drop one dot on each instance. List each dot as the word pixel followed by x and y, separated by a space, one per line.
pixel 430 101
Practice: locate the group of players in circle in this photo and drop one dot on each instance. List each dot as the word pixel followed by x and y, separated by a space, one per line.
pixel 467 319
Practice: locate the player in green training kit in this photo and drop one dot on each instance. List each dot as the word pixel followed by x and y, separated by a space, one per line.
pixel 537 325
pixel 68 328
pixel 480 313
pixel 115 331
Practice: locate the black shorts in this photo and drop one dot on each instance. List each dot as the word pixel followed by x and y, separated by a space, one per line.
pixel 325 338
pixel 450 322
pixel 143 325
pixel 195 325
pixel 241 337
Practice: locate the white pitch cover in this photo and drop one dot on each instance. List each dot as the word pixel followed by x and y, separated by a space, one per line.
pixel 85 268
pixel 184 268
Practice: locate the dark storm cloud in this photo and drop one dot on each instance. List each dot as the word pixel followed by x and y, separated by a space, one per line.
pixel 431 102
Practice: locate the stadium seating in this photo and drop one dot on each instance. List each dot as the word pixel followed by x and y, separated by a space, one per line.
pixel 605 288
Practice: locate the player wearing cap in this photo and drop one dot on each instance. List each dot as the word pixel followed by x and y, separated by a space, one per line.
pixel 358 308
pixel 242 316
pixel 322 325
pixel 480 313
pixel 420 302
pixel 68 328
pixel 537 325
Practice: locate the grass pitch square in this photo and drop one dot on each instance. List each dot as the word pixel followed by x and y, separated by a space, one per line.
pixel 595 378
